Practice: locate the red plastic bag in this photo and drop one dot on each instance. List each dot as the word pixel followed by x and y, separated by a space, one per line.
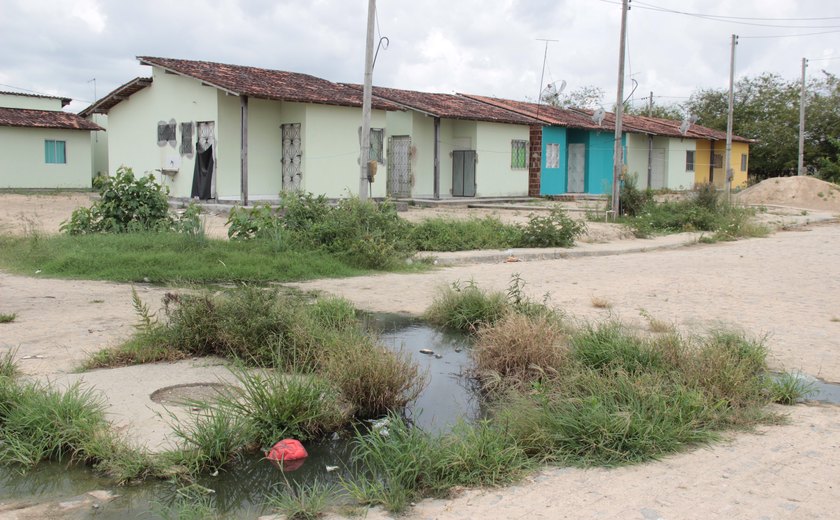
pixel 289 454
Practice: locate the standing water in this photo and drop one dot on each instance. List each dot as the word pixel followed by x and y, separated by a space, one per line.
pixel 241 490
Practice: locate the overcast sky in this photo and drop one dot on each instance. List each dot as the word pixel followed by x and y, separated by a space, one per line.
pixel 485 47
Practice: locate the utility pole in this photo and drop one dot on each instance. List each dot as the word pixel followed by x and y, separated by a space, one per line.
pixel 364 157
pixel 727 167
pixel 618 159
pixel 800 165
pixel 650 145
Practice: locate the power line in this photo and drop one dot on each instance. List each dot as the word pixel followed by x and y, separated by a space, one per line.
pixel 789 35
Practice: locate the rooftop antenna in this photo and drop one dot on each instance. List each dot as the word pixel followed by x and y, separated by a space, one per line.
pixel 542 74
pixel 686 123
pixel 598 116
pixel 551 92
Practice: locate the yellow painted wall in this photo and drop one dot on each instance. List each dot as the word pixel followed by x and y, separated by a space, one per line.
pixel 739 176
pixel 23 163
pixel 703 159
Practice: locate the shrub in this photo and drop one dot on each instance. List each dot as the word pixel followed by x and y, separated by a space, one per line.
pixel 632 201
pixel 555 230
pixel 256 222
pixel 127 204
pixel 364 234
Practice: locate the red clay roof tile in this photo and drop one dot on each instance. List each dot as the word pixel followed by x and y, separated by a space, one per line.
pixel 24 117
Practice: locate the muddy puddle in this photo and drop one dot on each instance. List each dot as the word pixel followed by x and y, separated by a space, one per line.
pixel 240 492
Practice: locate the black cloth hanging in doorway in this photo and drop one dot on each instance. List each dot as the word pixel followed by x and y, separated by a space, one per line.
pixel 203 175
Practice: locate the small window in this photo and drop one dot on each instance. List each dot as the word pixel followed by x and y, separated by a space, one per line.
pixel 552 155
pixel 743 162
pixel 689 160
pixel 718 160
pixel 518 154
pixel 377 144
pixel 186 138
pixel 166 133
pixel 55 152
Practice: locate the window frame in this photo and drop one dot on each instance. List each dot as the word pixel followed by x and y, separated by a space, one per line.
pixel 744 161
pixel 718 161
pixel 518 154
pixel 552 159
pixel 690 157
pixel 51 148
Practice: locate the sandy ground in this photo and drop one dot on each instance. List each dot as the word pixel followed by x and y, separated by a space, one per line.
pixel 785 286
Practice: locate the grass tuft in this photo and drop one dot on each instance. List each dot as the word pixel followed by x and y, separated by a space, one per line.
pixel 789 389
pixel 7 318
pixel 303 501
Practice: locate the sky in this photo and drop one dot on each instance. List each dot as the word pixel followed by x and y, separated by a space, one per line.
pixel 83 49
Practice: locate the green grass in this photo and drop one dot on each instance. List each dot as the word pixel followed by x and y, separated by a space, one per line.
pixel 788 389
pixel 447 234
pixel 7 318
pixel 303 501
pixel 164 258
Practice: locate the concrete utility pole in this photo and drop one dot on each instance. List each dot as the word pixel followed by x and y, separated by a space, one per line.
pixel 800 164
pixel 618 159
pixel 727 167
pixel 364 157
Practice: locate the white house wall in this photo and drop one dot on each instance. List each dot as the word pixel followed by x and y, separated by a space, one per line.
pixel 23 163
pixel 678 178
pixel 494 175
pixel 331 151
pixel 30 102
pixel 132 127
pixel 99 146
pixel 637 158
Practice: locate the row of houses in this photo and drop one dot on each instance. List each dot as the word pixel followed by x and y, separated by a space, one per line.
pixel 235 133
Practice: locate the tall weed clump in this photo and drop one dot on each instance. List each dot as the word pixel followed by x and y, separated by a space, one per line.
pixel 448 234
pixel 467 307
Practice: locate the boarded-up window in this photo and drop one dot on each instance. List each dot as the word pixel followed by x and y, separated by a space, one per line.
pixel 743 162
pixel 55 152
pixel 689 160
pixel 186 138
pixel 552 155
pixel 166 133
pixel 718 160
pixel 518 154
pixel 377 144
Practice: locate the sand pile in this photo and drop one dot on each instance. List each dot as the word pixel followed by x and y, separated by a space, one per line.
pixel 798 192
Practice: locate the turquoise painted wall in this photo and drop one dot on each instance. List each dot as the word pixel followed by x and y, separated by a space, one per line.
pixel 599 162
pixel 553 180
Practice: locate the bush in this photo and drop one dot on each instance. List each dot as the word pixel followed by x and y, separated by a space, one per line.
pixel 632 201
pixel 257 222
pixel 555 230
pixel 127 204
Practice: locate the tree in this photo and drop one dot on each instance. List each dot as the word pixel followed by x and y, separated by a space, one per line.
pixel 674 112
pixel 766 108
pixel 587 96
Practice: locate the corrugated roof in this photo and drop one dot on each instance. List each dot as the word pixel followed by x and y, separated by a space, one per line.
pixel 64 101
pixel 451 106
pixel 25 117
pixel 106 103
pixel 265 83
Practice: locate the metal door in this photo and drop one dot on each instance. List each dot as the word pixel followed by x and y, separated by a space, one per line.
pixel 657 169
pixel 399 166
pixel 291 151
pixel 577 168
pixel 463 173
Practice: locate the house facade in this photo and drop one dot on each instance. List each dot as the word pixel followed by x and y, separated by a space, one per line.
pixel 41 146
pixel 445 145
pixel 226 132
